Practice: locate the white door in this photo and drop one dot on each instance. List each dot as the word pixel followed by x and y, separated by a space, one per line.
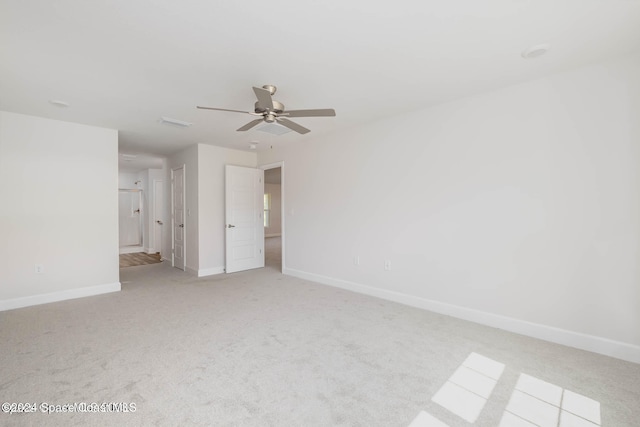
pixel 179 227
pixel 158 214
pixel 129 206
pixel 244 207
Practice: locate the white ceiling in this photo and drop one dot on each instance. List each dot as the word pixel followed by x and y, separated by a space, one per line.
pixel 125 63
pixel 137 162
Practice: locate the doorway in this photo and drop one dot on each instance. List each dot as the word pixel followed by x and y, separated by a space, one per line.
pixel 274 215
pixel 158 217
pixel 130 220
pixel 178 223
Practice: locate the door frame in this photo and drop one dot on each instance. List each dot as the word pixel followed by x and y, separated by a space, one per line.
pixel 282 211
pixel 173 219
pixel 158 215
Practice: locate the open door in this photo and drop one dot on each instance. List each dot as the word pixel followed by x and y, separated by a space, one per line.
pixel 244 209
pixel 178 222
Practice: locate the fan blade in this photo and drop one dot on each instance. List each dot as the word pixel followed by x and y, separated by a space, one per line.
pixel 292 125
pixel 264 98
pixel 326 112
pixel 249 125
pixel 222 109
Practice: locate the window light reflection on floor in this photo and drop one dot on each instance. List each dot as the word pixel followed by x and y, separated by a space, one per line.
pixel 468 389
pixel 425 419
pixel 533 403
pixel 538 403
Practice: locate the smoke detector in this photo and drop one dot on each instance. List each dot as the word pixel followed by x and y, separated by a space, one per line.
pixel 59 103
pixel 176 122
pixel 535 51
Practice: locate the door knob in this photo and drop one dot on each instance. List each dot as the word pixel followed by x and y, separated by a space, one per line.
pixel 181 226
pixel 159 222
pixel 230 226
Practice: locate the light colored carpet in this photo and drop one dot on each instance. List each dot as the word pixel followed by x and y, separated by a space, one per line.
pixel 258 348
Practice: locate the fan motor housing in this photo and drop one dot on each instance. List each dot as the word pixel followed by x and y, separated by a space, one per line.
pixel 277 108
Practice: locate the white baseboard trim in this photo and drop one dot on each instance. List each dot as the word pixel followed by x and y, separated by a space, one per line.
pixel 10 304
pixel 131 249
pixel 604 346
pixel 210 271
pixel 273 235
pixel 204 271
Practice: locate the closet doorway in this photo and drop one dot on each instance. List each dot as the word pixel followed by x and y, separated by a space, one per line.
pixel 274 215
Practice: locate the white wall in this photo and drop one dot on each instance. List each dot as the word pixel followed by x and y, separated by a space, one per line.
pixel 275 226
pixel 127 180
pixel 58 186
pixel 205 203
pixel 212 161
pixel 516 208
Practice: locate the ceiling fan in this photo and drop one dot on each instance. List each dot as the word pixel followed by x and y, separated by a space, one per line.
pixel 271 111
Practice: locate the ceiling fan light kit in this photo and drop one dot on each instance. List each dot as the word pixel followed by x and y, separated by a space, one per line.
pixel 273 128
pixel 274 114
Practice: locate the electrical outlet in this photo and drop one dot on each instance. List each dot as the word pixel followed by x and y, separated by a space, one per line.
pixel 39 269
pixel 387 265
pixel 356 260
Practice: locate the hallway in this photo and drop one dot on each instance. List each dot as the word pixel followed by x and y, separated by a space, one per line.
pixel 273 253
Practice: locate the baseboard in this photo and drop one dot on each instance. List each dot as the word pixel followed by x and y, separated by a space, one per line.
pixel 604 346
pixel 204 271
pixel 210 271
pixel 273 235
pixel 131 250
pixel 10 304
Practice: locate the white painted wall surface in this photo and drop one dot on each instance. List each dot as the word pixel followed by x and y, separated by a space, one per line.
pixel 274 228
pixel 59 192
pixel 211 162
pixel 515 207
pixel 205 203
pixel 127 180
